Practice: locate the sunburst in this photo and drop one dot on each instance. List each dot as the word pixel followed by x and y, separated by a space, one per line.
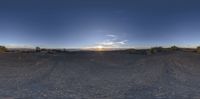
pixel 99 48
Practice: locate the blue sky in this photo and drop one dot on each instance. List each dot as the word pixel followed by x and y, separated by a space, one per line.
pixel 107 23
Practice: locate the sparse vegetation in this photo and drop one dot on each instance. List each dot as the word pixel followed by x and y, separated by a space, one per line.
pixel 154 50
pixel 37 49
pixel 198 49
pixel 3 49
pixel 131 51
pixel 174 48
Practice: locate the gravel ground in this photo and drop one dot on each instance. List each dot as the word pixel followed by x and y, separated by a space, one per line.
pixel 98 75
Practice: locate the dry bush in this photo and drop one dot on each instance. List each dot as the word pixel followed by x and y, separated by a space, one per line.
pixel 174 48
pixel 37 49
pixel 198 49
pixel 155 50
pixel 3 49
pixel 131 51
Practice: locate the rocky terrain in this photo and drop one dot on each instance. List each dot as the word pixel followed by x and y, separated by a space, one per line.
pixel 99 75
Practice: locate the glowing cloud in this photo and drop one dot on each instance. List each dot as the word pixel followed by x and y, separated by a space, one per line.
pixel 112 42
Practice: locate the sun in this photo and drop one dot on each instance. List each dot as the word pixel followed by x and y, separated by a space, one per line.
pixel 99 48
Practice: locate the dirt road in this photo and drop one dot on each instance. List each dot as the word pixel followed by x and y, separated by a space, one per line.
pixel 98 75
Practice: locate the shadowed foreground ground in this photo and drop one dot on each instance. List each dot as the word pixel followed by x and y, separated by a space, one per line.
pixel 174 75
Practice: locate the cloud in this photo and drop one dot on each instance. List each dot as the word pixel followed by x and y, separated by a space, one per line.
pixel 19 46
pixel 122 42
pixel 111 35
pixel 112 41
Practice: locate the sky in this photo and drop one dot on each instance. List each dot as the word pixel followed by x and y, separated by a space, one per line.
pixel 93 23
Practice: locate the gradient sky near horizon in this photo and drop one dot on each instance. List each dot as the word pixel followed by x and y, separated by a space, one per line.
pixel 107 23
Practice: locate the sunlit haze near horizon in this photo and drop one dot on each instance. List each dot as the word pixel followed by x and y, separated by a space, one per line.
pixel 99 23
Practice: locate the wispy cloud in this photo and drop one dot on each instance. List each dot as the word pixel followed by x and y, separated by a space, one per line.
pixel 112 41
pixel 19 46
pixel 122 42
pixel 111 35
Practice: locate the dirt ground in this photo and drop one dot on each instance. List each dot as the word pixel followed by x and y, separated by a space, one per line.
pixel 98 75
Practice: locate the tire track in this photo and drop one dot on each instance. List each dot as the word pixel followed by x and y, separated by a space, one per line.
pixel 40 77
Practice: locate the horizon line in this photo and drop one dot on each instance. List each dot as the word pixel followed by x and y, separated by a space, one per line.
pixel 91 48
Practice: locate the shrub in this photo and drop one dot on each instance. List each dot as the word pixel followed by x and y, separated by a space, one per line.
pixel 149 52
pixel 174 48
pixel 131 51
pixel 155 50
pixel 37 49
pixel 3 49
pixel 198 49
